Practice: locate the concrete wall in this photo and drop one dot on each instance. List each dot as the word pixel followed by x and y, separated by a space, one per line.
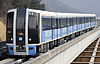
pixel 67 52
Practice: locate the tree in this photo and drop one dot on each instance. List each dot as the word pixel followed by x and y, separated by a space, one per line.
pixel 4 6
pixel 34 4
pixel 9 4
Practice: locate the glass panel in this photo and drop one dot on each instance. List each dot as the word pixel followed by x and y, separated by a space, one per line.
pixel 10 20
pixel 74 21
pixel 33 31
pixel 32 21
pixel 71 21
pixel 77 19
pixel 20 27
pixel 54 24
pixel 20 20
pixel 80 20
pixel 59 23
pixel 9 35
pixel 63 22
pixel 68 22
pixel 46 23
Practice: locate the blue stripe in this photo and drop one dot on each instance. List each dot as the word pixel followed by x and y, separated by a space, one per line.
pixel 32 51
pixel 11 52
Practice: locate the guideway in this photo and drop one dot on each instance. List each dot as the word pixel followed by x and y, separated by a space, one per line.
pixel 91 55
pixel 67 52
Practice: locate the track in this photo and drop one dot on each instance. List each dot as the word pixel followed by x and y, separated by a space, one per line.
pixel 3 50
pixel 14 61
pixel 91 55
pixel 6 61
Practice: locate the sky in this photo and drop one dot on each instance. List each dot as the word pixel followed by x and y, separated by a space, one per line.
pixel 86 6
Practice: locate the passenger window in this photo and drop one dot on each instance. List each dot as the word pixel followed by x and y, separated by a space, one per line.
pixel 54 23
pixel 84 19
pixel 59 23
pixel 74 21
pixel 68 22
pixel 88 19
pixel 71 21
pixel 46 23
pixel 63 22
pixel 81 20
pixel 32 21
pixel 77 19
pixel 94 19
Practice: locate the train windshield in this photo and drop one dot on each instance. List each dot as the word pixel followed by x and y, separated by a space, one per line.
pixel 20 19
pixel 9 33
pixel 10 20
pixel 20 27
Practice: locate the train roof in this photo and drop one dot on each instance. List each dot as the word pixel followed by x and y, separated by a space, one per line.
pixel 44 13
pixel 58 14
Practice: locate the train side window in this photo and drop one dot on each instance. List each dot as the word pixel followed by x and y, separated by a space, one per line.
pixel 85 19
pixel 74 21
pixel 88 19
pixel 46 23
pixel 94 19
pixel 54 24
pixel 68 22
pixel 77 19
pixel 32 21
pixel 63 22
pixel 58 23
pixel 81 20
pixel 71 21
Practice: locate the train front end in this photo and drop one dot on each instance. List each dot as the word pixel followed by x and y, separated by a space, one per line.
pixel 22 32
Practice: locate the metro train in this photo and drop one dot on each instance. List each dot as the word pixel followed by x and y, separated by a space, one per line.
pixel 31 32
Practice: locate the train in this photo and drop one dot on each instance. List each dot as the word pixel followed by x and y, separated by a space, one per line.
pixel 31 32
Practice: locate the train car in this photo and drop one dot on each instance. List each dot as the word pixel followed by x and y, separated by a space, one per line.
pixel 30 32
